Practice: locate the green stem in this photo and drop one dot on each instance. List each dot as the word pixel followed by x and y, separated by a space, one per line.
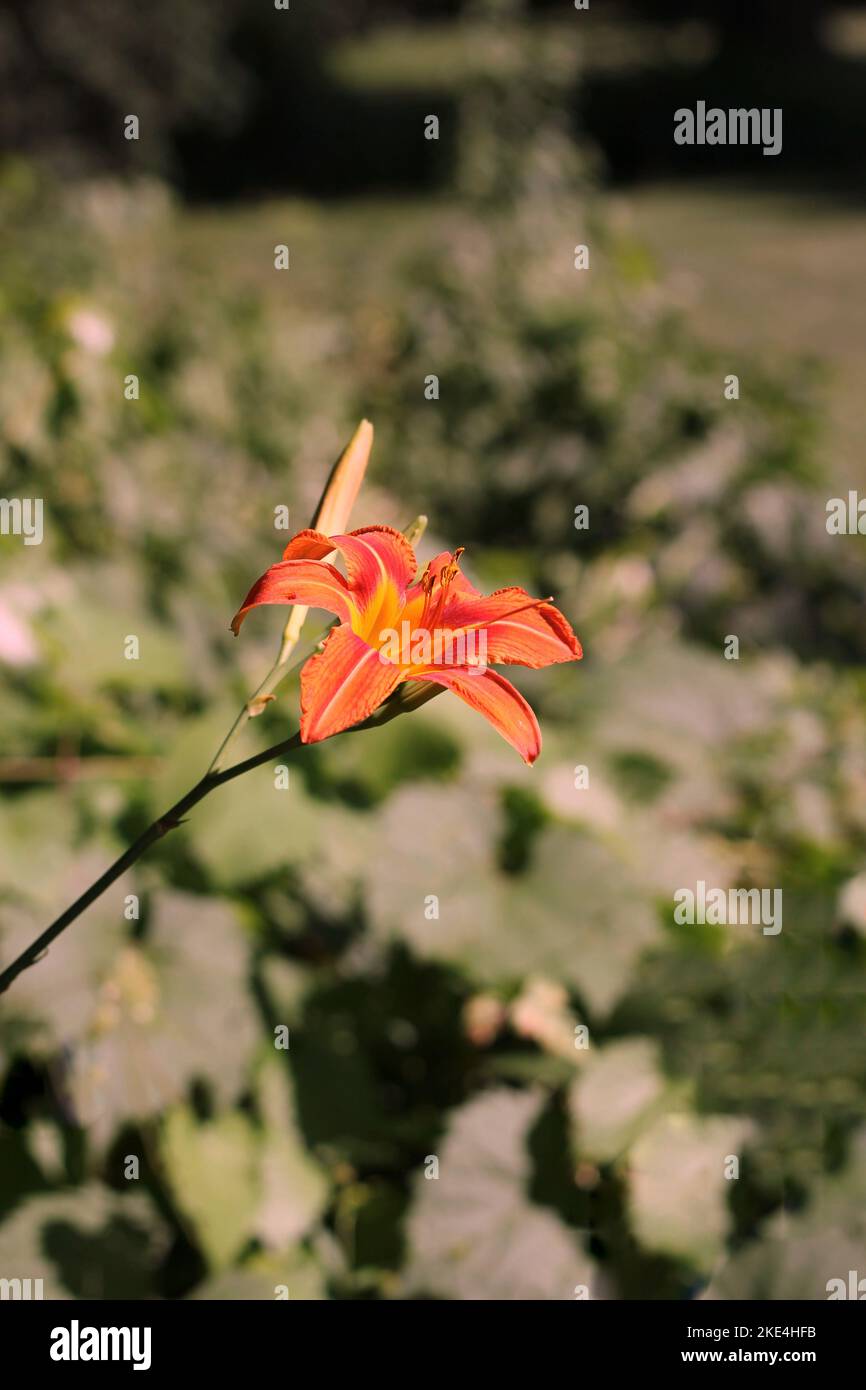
pixel 278 671
pixel 410 696
pixel 160 827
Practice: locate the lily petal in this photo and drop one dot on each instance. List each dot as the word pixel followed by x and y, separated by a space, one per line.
pixel 379 562
pixel 496 698
pixel 376 556
pixel 518 629
pixel 309 582
pixel 342 685
pixel 309 544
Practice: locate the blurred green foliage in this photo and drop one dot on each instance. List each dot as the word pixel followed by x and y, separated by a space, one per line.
pixel 411 1039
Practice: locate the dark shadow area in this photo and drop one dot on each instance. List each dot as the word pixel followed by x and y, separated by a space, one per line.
pixel 631 117
pixel 234 100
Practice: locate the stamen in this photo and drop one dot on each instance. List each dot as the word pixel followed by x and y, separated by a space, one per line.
pixel 433 607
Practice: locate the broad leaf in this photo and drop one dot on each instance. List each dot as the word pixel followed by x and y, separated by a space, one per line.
pixel 473 1232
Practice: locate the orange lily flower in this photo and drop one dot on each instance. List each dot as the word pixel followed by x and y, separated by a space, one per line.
pixel 360 665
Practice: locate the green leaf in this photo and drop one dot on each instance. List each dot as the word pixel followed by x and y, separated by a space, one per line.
pixel 252 828
pixel 88 636
pixel 574 916
pixel 367 768
pixel 580 917
pixel 234 1180
pixel 332 877
pixel 473 1232
pixel 437 841
pixel 137 1022
pixel 212 1171
pixel 294 1188
pixel 37 837
pixel 799 1254
pixel 619 1090
pixel 678 1192
pixel 265 1277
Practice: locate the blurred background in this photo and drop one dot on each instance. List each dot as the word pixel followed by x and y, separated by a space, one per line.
pixel 708 1140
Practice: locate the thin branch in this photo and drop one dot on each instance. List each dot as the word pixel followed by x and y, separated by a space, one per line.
pixel 160 827
pixel 411 695
pixel 257 701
